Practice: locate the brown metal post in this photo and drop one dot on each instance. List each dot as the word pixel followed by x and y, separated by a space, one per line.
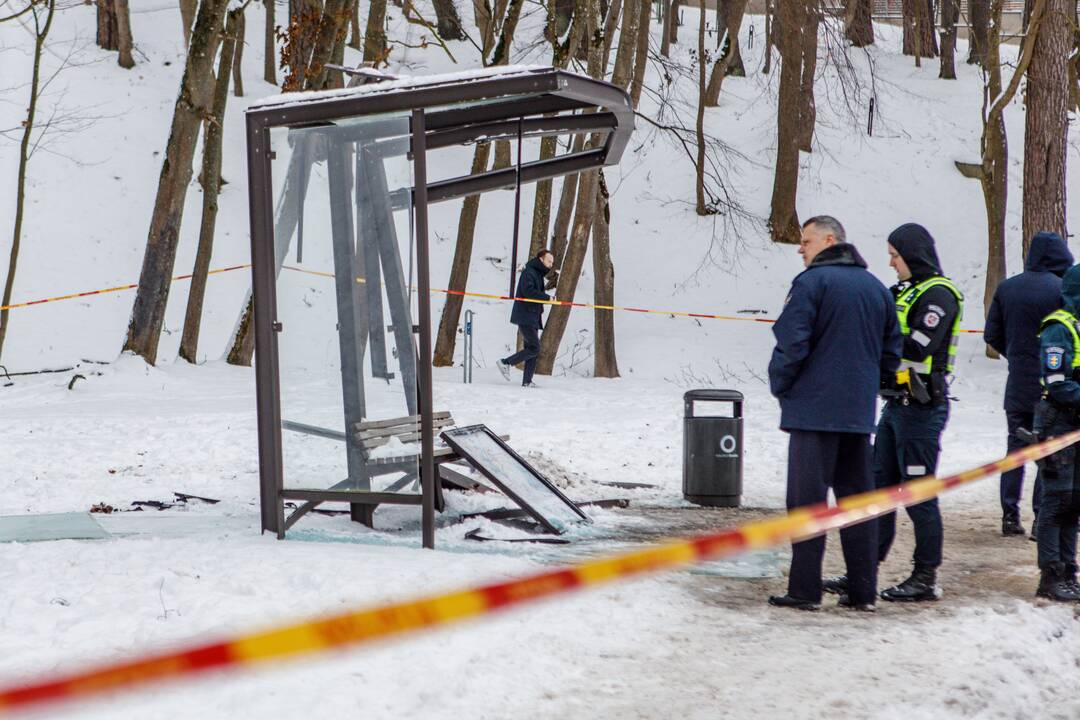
pixel 423 301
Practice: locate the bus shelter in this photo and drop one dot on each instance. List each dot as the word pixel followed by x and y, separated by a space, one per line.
pixel 340 185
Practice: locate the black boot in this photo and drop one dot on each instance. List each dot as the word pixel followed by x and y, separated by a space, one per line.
pixel 1055 586
pixel 922 585
pixel 837 585
pixel 845 602
pixel 1010 525
pixel 786 601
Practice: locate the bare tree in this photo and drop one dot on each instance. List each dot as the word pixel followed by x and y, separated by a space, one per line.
pixel 211 182
pixel 239 32
pixel 807 105
pixel 770 36
pixel 605 363
pixel 919 40
pixel 858 22
pixel 449 22
pixel 641 53
pixel 114 30
pixel 42 13
pixel 192 105
pixel 1046 131
pixel 188 8
pixel 733 13
pixel 702 60
pixel 356 40
pixel 783 219
pixel 270 45
pixel 979 20
pixel 375 36
pixel 950 15
pixel 993 171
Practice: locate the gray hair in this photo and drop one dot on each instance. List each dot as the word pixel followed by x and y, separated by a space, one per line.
pixel 829 224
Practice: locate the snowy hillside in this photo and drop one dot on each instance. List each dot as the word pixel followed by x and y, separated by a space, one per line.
pixel 694 645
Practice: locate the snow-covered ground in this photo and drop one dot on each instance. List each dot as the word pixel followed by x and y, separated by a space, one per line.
pixel 681 644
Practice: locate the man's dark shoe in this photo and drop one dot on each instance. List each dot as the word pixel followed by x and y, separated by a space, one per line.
pixel 786 601
pixel 837 585
pixel 845 602
pixel 1054 586
pixel 921 586
pixel 1010 525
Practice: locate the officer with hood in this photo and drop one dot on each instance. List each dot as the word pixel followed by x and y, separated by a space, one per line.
pixel 1056 414
pixel 1012 328
pixel 908 441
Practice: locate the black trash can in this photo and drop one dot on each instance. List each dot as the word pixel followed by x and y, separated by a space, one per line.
pixel 712 450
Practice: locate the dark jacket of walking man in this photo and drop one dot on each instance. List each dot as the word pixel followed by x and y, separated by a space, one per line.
pixel 1012 328
pixel 908 440
pixel 835 338
pixel 528 316
pixel 1056 414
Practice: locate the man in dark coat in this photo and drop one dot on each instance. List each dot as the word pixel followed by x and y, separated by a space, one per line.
pixel 528 316
pixel 1012 328
pixel 835 338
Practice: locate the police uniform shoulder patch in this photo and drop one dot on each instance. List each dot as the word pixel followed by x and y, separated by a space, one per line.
pixel 936 309
pixel 1053 359
pixel 932 319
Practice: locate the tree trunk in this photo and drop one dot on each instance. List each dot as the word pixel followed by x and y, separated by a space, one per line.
pixel 333 26
pixel 673 22
pixel 123 34
pixel 270 46
pixel 188 8
pixel 783 219
pixel 859 25
pixel 665 35
pixel 446 338
pixel 585 213
pixel 769 32
pixel 192 105
pixel 107 31
pixel 375 36
pixel 919 37
pixel 641 53
pixel 238 55
pixel 356 40
pixel 447 20
pixel 304 19
pixel 979 18
pixel 701 207
pixel 1046 127
pixel 605 363
pixel 41 33
pixel 732 17
pixel 950 15
pixel 560 233
pixel 808 108
pixel 211 173
pixel 610 25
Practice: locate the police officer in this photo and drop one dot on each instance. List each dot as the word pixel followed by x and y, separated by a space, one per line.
pixel 1012 328
pixel 1056 414
pixel 836 336
pixel 908 439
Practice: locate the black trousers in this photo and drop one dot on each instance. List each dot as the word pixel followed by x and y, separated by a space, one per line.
pixel 1059 506
pixel 907 447
pixel 1012 482
pixel 818 461
pixel 530 336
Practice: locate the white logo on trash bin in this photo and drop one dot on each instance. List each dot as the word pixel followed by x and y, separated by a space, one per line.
pixel 728 446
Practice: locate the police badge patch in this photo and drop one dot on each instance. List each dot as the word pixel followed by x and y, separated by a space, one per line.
pixel 931 320
pixel 1053 360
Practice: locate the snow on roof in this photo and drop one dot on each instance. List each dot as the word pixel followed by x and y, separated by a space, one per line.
pixel 402 83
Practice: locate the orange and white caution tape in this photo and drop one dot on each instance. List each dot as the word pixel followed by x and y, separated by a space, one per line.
pixel 359 627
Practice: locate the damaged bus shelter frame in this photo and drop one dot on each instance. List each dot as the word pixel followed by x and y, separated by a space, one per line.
pixel 527 103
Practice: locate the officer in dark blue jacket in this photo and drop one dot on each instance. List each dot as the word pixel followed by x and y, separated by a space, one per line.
pixel 908 441
pixel 528 316
pixel 1012 328
pixel 1056 414
pixel 835 338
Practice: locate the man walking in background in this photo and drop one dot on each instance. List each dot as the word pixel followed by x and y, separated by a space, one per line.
pixel 528 316
pixel 835 338
pixel 1012 328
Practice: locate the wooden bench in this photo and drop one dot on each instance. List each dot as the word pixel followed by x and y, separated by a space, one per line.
pixel 368 437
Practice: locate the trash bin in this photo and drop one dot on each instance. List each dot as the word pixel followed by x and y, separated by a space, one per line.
pixel 712 450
